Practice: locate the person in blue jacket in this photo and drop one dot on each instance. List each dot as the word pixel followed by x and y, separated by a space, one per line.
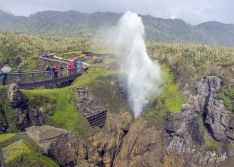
pixel 45 55
pixel 79 66
pixel 4 78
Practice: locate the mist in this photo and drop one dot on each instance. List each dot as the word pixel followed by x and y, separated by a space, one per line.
pixel 142 76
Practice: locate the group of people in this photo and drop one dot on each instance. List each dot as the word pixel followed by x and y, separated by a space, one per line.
pixel 72 68
pixel 54 69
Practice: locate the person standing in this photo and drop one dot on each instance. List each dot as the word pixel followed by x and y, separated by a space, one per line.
pixel 79 66
pixel 61 70
pixel 19 81
pixel 53 71
pixel 45 55
pixel 56 71
pixel 4 78
pixel 48 68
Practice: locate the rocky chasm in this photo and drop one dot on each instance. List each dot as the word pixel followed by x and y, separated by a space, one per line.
pixel 125 141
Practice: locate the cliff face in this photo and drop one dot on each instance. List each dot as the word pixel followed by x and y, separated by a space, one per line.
pixel 200 134
pixel 182 142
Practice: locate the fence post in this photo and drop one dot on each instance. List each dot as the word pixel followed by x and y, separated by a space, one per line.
pixel 32 77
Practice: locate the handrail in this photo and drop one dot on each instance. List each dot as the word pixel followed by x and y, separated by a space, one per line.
pixel 35 78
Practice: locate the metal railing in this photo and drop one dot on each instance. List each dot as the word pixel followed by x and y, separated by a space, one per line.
pixel 31 77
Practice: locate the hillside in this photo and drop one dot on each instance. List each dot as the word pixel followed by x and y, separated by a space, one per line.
pixel 76 24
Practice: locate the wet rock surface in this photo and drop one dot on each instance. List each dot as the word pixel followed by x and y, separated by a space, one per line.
pixel 59 144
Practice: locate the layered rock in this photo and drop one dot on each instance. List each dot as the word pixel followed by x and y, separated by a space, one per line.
pixel 90 107
pixel 19 102
pixel 3 122
pixel 180 143
pixel 16 98
pixel 1 160
pixel 141 146
pixel 217 118
pixel 26 113
pixel 59 144
pixel 106 144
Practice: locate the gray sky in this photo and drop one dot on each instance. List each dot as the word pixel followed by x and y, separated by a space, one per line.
pixel 191 11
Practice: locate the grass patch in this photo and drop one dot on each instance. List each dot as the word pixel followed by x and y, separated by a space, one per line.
pixel 21 154
pixel 210 143
pixel 7 115
pixel 62 102
pixel 4 137
pixel 227 95
pixel 171 99
pixel 106 89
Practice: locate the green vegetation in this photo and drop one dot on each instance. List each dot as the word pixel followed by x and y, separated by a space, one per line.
pixel 76 24
pixel 190 62
pixel 17 49
pixel 8 116
pixel 210 143
pixel 62 102
pixel 7 136
pixel 227 95
pixel 170 100
pixel 18 150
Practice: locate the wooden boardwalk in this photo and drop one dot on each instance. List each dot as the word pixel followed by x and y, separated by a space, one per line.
pixel 37 78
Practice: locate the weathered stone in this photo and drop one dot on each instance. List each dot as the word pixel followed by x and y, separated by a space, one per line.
pixel 141 146
pixel 22 119
pixel 230 131
pixel 37 115
pixel 1 159
pixel 208 85
pixel 90 107
pixel 3 122
pixel 59 144
pixel 16 98
pixel 217 118
pixel 105 145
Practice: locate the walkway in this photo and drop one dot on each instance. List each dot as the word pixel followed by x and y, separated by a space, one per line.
pixel 37 78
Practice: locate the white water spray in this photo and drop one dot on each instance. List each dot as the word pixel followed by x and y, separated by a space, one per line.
pixel 141 74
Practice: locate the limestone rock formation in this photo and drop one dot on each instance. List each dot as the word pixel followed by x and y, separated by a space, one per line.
pixel 216 116
pixel 16 98
pixel 3 122
pixel 183 127
pixel 141 146
pixel 180 143
pixel 1 160
pixel 218 119
pixel 106 144
pixel 19 102
pixel 26 113
pixel 90 107
pixel 59 144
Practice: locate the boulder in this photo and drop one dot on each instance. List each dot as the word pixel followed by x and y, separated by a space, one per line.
pixel 16 98
pixel 59 144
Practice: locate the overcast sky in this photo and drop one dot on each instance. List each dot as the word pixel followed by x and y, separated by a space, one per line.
pixel 191 11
